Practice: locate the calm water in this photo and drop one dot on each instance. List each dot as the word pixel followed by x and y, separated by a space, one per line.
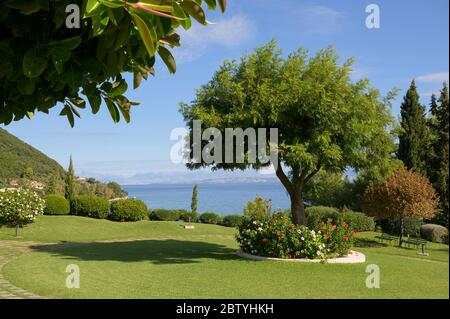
pixel 219 198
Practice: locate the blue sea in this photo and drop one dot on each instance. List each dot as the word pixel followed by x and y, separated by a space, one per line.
pixel 220 198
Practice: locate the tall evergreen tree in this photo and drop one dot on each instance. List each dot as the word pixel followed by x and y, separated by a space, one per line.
pixel 439 174
pixel 194 202
pixel 70 191
pixel 414 139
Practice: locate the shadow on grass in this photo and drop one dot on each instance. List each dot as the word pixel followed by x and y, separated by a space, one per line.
pixel 168 251
pixel 364 242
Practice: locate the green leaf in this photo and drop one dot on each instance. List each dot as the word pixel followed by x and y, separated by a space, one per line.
pixel 79 102
pixel 115 115
pixel 30 115
pixel 137 79
pixel 112 3
pixel 178 12
pixel 118 88
pixel 212 4
pixel 123 35
pixel 94 98
pixel 145 34
pixel 33 63
pixel 112 17
pixel 168 59
pixel 195 11
pixel 65 45
pixel 222 5
pixel 59 58
pixel 66 111
pixel 91 6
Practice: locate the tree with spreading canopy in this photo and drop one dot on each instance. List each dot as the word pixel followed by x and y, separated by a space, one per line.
pixel 43 62
pixel 404 194
pixel 325 120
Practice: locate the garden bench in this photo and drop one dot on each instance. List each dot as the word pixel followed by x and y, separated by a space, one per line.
pixel 386 237
pixel 415 242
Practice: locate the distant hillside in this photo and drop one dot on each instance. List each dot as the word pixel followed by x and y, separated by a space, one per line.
pixel 18 159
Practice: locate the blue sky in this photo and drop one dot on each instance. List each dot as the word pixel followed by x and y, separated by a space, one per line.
pixel 411 43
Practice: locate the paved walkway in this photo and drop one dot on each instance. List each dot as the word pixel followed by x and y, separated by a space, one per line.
pixel 10 250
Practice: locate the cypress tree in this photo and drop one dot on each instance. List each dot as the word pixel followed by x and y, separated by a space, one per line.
pixel 440 174
pixel 194 202
pixel 70 184
pixel 414 139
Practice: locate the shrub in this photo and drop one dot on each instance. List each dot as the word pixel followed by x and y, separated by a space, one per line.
pixel 258 209
pixel 232 220
pixel 128 210
pixel 56 205
pixel 317 214
pixel 210 218
pixel 411 226
pixel 434 233
pixel 165 214
pixel 19 207
pixel 278 237
pixel 358 221
pixel 91 206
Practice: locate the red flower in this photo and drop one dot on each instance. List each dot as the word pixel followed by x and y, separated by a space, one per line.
pixel 289 256
pixel 346 225
pixel 346 238
pixel 322 231
pixel 327 237
pixel 322 223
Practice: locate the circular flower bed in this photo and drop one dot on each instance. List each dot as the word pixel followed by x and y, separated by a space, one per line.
pixel 277 237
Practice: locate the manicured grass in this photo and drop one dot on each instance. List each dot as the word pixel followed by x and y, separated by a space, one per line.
pixel 176 263
pixel 84 229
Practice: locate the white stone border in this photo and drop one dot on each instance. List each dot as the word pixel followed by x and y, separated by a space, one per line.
pixel 353 257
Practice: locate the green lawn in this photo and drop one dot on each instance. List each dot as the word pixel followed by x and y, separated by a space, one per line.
pixel 163 260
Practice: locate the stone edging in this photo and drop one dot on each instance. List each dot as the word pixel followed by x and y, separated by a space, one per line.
pixel 353 257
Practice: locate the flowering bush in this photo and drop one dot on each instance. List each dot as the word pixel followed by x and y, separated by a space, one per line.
pixel 338 237
pixel 19 207
pixel 278 237
pixel 258 209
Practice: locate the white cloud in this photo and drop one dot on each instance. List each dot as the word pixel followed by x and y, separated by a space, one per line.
pixel 438 77
pixel 320 20
pixel 228 32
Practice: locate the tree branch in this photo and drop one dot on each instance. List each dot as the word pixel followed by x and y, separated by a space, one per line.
pixel 311 175
pixel 284 179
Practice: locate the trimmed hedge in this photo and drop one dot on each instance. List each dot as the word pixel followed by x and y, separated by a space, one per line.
pixel 210 218
pixel 232 220
pixel 91 206
pixel 434 233
pixel 56 205
pixel 165 214
pixel 411 226
pixel 128 210
pixel 357 221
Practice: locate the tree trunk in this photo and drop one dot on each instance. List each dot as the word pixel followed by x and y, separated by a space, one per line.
pixel 17 230
pixel 298 208
pixel 401 232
